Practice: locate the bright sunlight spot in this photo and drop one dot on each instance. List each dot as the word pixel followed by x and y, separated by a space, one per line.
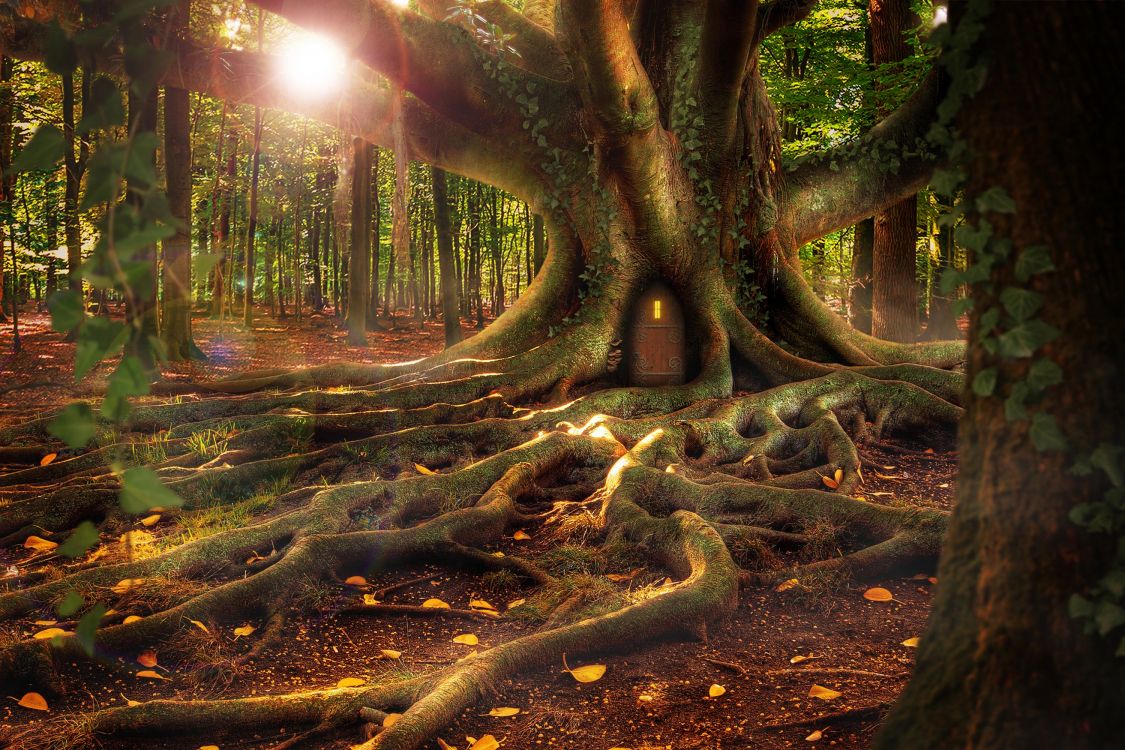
pixel 312 65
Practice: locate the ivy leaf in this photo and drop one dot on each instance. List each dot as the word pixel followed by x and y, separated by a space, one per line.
pixel 67 310
pixel 1108 616
pixel 98 338
pixel 70 604
pixel 988 321
pixel 974 238
pixel 43 151
pixel 1024 339
pixel 996 200
pixel 142 490
pixel 1045 433
pixel 1015 406
pixel 985 382
pixel 1079 606
pixel 962 306
pixel 87 626
pixel 84 536
pixel 1043 374
pixel 1021 304
pixel 1033 260
pixel 74 425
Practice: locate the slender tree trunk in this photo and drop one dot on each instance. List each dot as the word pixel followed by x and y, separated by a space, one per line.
pixel 6 182
pixel 141 303
pixel 360 251
pixel 252 221
pixel 859 295
pixel 298 273
pixel 219 247
pixel 176 328
pixel 450 304
pixel 75 164
pixel 376 223
pixel 1003 663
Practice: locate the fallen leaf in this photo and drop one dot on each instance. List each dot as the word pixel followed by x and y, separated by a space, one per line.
pixel 34 701
pixel 825 694
pixel 390 653
pixel 932 579
pixel 749 457
pixel 888 468
pixel 888 476
pixel 48 459
pixel 838 476
pixel 435 604
pixel 911 642
pixel 131 619
pixel 521 536
pixel 244 630
pixel 503 711
pixel 50 633
pixel 467 639
pixel 829 482
pixel 516 602
pixel 208 747
pixel 391 719
pixel 199 625
pixel 487 742
pixel 423 470
pixel 716 690
pixel 469 655
pixel 619 577
pixel 588 673
pixel 125 584
pixel 150 674
pixel 814 736
pixel 45 623
pixel 39 544
pixel 482 605
pixel 800 658
pixel 878 595
pixel 348 682
pixel 355 581
pixel 370 600
pixel 644 698
pixel 147 658
pixel 151 520
pixel 786 585
pixel 928 450
pixel 445 745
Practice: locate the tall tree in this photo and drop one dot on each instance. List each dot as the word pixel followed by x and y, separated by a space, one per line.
pixel 74 162
pixel 450 304
pixel 141 309
pixel 359 256
pixel 252 221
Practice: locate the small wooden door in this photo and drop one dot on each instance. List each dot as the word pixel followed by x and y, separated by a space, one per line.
pixel 656 338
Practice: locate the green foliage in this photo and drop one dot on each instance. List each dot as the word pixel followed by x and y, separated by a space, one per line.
pixel 42 152
pixel 142 490
pixel 74 425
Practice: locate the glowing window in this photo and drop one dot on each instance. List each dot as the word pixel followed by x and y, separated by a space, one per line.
pixel 656 310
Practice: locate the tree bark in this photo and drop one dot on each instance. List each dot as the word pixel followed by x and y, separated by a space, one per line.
pixel 141 308
pixel 252 221
pixel 360 250
pixel 1002 664
pixel 176 328
pixel 450 304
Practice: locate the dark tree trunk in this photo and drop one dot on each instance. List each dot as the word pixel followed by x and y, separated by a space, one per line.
pixel 1002 664
pixel 141 304
pixel 75 164
pixel 6 182
pixel 376 231
pixel 226 195
pixel 359 256
pixel 252 220
pixel 176 328
pixel 859 296
pixel 450 304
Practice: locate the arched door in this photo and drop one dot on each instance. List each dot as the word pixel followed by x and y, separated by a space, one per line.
pixel 656 338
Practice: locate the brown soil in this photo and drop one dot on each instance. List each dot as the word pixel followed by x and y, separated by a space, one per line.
pixel 656 698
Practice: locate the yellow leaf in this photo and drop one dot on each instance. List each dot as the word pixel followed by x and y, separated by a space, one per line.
pixel 588 673
pixel 34 701
pixel 481 604
pixel 435 604
pixel 644 698
pixel 825 694
pixel 487 742
pixel 151 520
pixel 878 595
pixel 838 476
pixel 39 544
pixel 50 633
pixel 391 719
pixel 829 482
pixel 244 630
pixel 125 584
pixel 48 459
pixel 147 658
pixel 469 655
pixel 800 658
pixel 445 745
pixel 199 625
pixel 355 581
pixel 619 577
pixel 208 747
pixel 716 690
pixel 521 536
pixel 749 457
pixel 887 476
pixel 516 602
pixel 150 674
pixel 504 711
pixel 351 682
pixel 911 642
pixel 786 585
pixel 370 600
pixel 390 653
pixel 423 470
pixel 45 623
pixel 467 639
pixel 814 736
pixel 131 619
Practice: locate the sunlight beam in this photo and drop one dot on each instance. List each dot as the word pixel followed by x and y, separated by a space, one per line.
pixel 312 66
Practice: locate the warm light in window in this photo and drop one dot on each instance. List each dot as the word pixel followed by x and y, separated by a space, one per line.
pixel 656 310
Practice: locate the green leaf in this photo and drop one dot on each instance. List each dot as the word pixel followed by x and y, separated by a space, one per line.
pixel 67 310
pixel 74 425
pixel 43 151
pixel 59 53
pixel 84 536
pixel 985 382
pixel 105 110
pixel 142 490
pixel 1079 606
pixel 1015 406
pixel 1020 303
pixel 997 200
pixel 988 321
pixel 1045 433
pixel 70 604
pixel 1108 616
pixel 1043 374
pixel 87 626
pixel 962 306
pixel 1033 260
pixel 1024 339
pixel 98 338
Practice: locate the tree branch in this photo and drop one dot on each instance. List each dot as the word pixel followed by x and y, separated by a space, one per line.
pixel 779 14
pixel 728 35
pixel 840 189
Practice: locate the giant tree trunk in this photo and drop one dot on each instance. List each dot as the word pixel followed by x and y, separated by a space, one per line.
pixel 1002 663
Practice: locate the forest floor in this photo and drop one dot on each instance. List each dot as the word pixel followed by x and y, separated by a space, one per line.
pixel 650 699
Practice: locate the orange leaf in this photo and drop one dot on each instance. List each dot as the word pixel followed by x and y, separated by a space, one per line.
pixel 435 604
pixel 838 476
pixel 829 482
pixel 244 630
pixel 150 674
pixel 147 658
pixel 521 536
pixel 34 701
pixel 355 581
pixel 39 544
pixel 199 625
pixel 716 690
pixel 50 633
pixel 825 694
pixel 487 742
pixel 911 642
pixel 150 520
pixel 131 619
pixel 786 585
pixel 48 459
pixel 348 682
pixel 390 653
pixel 814 736
pixel 878 595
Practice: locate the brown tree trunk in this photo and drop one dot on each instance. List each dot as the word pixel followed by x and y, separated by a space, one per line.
pixel 176 328
pixel 141 303
pixel 859 296
pixel 450 304
pixel 359 256
pixel 1002 663
pixel 252 221
pixel 894 303
pixel 75 164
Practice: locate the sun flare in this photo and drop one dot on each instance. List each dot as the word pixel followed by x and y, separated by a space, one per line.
pixel 312 65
